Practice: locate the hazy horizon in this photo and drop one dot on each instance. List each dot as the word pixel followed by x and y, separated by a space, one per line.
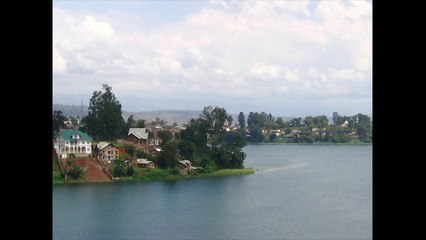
pixel 287 58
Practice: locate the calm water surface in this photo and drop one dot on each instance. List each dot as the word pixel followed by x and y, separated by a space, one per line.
pixel 298 192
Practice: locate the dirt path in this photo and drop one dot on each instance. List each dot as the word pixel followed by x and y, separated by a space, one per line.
pixel 94 171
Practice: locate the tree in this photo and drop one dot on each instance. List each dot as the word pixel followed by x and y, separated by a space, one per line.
pixel 296 122
pixel 130 149
pixel 242 120
pixel 186 149
pixel 105 120
pixel 76 172
pixel 272 137
pixel 57 122
pixel 73 120
pixel 214 146
pixel 279 122
pixel 309 122
pixel 167 158
pixel 321 121
pixel 141 123
pixel 335 118
pixel 131 123
pixel 165 135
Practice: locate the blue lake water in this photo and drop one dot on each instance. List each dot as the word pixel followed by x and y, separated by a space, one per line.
pixel 298 192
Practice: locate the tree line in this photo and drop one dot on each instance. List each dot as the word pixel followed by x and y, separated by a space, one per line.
pixel 210 141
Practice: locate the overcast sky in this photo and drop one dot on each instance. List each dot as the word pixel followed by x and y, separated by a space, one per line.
pixel 288 58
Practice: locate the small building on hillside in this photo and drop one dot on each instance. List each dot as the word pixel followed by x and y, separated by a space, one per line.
pixel 106 151
pixel 154 143
pixel 144 163
pixel 73 142
pixel 138 136
pixel 184 166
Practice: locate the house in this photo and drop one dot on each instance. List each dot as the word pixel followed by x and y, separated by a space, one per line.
pixel 138 136
pixel 345 124
pixel 73 142
pixel 184 166
pixel 275 131
pixel 154 143
pixel 106 151
pixel 144 163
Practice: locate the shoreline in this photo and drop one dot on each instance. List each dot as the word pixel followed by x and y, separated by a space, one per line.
pixel 218 173
pixel 315 143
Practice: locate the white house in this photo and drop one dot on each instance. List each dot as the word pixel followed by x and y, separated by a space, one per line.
pixel 74 142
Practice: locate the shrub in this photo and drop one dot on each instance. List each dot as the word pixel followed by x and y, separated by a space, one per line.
pixel 173 171
pixel 130 171
pixel 76 172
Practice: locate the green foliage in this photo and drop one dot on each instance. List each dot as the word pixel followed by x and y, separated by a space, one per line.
pixel 214 146
pixel 272 137
pixel 131 122
pixel 256 134
pixel 242 120
pixel 295 122
pixel 130 149
pixel 141 123
pixel 76 172
pixel 167 158
pixel 123 156
pixel 142 154
pixel 57 175
pixel 186 149
pixel 309 122
pixel 173 171
pixel 157 173
pixel 280 123
pixel 57 122
pixel 120 169
pixel 105 120
pixel 165 135
pixel 130 171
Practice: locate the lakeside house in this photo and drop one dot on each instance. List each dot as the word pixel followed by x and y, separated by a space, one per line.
pixel 73 142
pixel 138 136
pixel 106 151
pixel 184 166
pixel 144 163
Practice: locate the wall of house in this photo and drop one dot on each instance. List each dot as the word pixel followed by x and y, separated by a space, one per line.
pixel 80 148
pixel 109 153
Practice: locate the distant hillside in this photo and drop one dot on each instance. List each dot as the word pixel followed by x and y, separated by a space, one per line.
pixel 71 110
pixel 171 116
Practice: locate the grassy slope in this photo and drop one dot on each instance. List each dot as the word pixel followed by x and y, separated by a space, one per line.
pixel 57 176
pixel 160 174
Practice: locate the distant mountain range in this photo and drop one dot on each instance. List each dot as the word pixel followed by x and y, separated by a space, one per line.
pixel 170 116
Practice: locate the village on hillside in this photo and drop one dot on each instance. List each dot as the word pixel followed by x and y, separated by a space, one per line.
pixel 103 147
pixel 140 145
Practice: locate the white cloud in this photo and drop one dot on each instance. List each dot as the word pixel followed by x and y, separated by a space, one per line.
pixel 264 71
pixel 259 48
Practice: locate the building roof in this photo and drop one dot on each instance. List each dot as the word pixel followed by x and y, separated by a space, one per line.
pixel 102 145
pixel 71 133
pixel 143 161
pixel 185 162
pixel 140 133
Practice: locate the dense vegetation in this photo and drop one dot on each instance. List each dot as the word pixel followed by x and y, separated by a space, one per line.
pixel 209 141
pixel 105 120
pixel 262 127
pixel 168 174
pixel 206 142
pixel 57 175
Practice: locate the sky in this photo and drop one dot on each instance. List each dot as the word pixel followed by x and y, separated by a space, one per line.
pixel 287 58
